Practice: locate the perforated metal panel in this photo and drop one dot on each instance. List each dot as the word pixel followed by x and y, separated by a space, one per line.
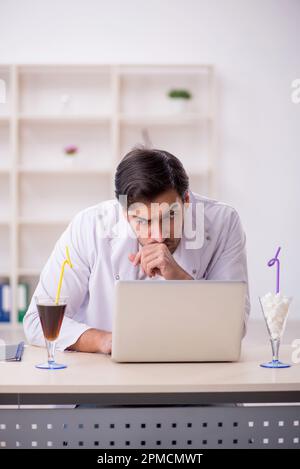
pixel 152 427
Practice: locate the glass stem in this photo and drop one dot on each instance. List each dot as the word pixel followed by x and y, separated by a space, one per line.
pixel 50 349
pixel 275 348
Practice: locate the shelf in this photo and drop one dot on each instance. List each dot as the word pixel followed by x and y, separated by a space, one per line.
pixel 54 69
pixel 104 110
pixel 11 326
pixel 175 69
pixel 68 195
pixel 43 222
pixel 5 201
pixel 5 150
pixel 71 90
pixel 42 144
pixel 158 82
pixel 5 108
pixel 4 273
pixel 166 119
pixel 64 171
pixel 185 141
pixel 4 248
pixel 97 119
pixel 29 272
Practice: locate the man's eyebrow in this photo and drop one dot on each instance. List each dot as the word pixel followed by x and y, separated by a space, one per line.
pixel 173 208
pixel 141 218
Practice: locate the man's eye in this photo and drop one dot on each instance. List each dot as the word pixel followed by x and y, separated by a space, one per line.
pixel 142 222
pixel 172 215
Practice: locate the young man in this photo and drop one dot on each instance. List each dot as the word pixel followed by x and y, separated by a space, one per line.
pixel 155 229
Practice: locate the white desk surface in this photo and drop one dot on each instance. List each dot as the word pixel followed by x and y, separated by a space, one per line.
pixel 96 373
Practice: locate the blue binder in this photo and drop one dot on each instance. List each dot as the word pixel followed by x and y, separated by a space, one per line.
pixel 5 302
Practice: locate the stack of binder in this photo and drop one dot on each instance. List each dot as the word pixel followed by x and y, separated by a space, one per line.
pixel 23 300
pixel 5 301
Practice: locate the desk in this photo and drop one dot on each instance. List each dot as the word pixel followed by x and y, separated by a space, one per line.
pixel 166 405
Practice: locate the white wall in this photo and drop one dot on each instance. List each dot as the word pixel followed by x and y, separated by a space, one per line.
pixel 255 47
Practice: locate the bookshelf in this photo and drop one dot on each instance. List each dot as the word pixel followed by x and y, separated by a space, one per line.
pixel 104 110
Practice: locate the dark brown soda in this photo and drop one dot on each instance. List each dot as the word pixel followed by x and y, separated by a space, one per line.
pixel 51 317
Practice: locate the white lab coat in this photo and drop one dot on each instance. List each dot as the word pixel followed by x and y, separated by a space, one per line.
pixel 100 259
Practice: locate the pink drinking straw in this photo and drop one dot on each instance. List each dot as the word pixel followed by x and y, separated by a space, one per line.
pixel 271 263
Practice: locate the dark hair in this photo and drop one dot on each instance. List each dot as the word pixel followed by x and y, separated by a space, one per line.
pixel 144 173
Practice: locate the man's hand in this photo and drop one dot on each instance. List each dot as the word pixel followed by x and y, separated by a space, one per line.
pixel 105 342
pixel 155 258
pixel 93 340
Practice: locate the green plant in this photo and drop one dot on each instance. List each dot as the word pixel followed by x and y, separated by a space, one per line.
pixel 179 93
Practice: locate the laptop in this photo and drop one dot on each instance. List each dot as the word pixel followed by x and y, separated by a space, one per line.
pixel 178 321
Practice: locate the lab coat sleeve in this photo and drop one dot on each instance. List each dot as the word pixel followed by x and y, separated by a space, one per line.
pixel 74 286
pixel 230 260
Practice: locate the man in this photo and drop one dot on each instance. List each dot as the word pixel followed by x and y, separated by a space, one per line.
pixel 128 238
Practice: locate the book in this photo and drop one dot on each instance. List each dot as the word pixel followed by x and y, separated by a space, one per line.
pixel 11 353
pixel 5 302
pixel 23 300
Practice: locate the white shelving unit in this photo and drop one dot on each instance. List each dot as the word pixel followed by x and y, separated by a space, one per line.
pixel 104 110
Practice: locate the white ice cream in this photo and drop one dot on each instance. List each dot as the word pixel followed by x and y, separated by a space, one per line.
pixel 276 307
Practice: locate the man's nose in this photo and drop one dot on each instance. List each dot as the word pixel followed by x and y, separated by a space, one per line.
pixel 156 233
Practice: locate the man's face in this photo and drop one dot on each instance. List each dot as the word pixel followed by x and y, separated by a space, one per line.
pixel 158 221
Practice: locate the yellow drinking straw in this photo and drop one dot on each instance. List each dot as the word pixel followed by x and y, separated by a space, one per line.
pixel 66 261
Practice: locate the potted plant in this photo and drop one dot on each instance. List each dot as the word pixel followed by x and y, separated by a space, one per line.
pixel 70 152
pixel 179 98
